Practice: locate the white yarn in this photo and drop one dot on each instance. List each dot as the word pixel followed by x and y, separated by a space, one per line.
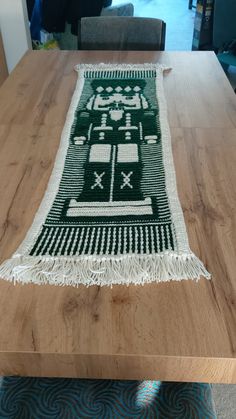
pixel 132 269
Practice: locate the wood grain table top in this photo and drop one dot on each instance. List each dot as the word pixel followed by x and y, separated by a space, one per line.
pixel 177 331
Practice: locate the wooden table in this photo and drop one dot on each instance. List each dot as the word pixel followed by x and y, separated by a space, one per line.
pixel 182 331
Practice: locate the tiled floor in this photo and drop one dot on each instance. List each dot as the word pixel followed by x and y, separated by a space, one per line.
pixel 225 400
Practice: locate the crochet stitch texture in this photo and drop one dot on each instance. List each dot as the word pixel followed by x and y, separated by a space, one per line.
pixel 111 214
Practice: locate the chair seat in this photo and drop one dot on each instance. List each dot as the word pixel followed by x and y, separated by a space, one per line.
pixel 227 58
pixel 74 398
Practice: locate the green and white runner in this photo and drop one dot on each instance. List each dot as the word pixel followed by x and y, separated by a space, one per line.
pixel 111 213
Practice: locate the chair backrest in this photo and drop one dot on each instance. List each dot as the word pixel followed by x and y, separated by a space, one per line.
pixel 121 33
pixel 122 9
pixel 224 28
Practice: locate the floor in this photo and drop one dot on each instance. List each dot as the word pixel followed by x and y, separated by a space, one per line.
pixel 224 397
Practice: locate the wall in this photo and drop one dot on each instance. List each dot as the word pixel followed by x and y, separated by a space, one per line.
pixel 15 30
pixel 3 64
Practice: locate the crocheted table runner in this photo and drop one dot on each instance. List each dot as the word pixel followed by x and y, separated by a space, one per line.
pixel 110 214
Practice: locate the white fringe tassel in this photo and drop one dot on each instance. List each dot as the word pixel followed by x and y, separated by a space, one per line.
pixel 132 269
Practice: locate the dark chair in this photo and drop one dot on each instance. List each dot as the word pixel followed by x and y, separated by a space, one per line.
pixel 224 28
pixel 107 3
pixel 224 31
pixel 191 5
pixel 27 397
pixel 121 33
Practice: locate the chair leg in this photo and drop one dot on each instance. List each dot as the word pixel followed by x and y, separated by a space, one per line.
pixel 225 67
pixel 191 5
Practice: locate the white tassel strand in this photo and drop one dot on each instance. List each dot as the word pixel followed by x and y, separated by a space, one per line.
pixel 131 269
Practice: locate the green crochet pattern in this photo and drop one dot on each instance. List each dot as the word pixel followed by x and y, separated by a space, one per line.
pixel 111 214
pixel 112 197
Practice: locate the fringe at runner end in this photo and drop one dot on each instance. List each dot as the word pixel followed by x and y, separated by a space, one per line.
pixel 131 269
